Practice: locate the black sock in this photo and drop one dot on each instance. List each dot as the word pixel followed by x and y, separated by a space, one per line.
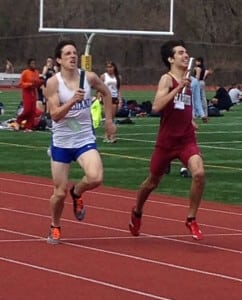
pixel 52 226
pixel 138 215
pixel 190 219
pixel 73 193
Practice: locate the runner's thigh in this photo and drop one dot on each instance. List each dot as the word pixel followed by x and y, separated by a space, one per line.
pixel 91 163
pixel 60 173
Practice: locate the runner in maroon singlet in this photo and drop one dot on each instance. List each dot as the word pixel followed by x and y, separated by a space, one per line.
pixel 176 136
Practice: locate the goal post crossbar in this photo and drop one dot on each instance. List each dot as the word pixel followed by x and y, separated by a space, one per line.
pixel 104 31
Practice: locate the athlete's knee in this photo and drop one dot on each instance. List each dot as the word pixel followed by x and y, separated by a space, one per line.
pixel 151 183
pixel 198 175
pixel 95 182
pixel 60 192
pixel 197 169
pixel 95 178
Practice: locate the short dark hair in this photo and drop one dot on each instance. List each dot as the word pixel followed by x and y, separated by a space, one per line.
pixel 61 45
pixel 167 50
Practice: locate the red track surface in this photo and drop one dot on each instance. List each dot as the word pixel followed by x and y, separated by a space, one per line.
pixel 99 259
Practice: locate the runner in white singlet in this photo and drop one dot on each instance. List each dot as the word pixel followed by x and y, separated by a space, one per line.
pixel 73 138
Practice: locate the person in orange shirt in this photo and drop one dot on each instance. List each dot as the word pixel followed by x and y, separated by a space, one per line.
pixel 29 82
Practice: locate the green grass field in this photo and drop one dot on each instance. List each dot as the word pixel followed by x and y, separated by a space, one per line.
pixel 126 162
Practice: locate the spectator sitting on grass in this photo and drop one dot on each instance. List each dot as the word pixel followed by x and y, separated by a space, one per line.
pixel 221 100
pixel 235 93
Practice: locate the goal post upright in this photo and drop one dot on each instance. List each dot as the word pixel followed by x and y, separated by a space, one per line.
pixel 86 58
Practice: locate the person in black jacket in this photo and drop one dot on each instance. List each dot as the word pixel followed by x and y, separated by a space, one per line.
pixel 221 100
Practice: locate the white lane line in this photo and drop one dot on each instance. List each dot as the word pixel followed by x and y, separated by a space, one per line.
pixel 151 261
pixel 88 279
pixel 125 212
pixel 109 238
pixel 169 203
pixel 106 228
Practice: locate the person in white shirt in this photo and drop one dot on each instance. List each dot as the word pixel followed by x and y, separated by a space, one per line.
pixel 112 80
pixel 235 93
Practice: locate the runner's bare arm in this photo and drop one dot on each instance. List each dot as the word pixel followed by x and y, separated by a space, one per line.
pixel 163 96
pixel 99 85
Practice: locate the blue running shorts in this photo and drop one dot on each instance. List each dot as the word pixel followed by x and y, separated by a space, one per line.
pixel 67 155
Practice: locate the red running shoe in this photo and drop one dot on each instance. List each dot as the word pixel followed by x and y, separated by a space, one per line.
pixel 134 223
pixel 54 235
pixel 194 229
pixel 78 206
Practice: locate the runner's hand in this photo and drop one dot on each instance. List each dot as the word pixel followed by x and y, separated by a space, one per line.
pixel 79 95
pixel 110 127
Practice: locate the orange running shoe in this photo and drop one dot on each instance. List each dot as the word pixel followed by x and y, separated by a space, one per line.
pixel 78 206
pixel 54 235
pixel 194 229
pixel 134 223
